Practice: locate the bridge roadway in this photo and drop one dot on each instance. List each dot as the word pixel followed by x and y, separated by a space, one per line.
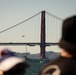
pixel 28 43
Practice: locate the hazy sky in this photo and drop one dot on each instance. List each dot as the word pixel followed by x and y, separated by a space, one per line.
pixel 15 11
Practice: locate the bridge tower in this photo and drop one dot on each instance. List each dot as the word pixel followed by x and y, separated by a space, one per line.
pixel 43 45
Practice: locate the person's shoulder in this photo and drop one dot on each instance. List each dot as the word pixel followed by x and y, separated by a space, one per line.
pixel 56 66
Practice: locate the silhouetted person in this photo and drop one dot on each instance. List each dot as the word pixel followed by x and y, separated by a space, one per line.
pixel 11 64
pixel 65 64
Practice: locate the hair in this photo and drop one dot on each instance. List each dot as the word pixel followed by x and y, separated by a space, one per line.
pixel 72 52
pixel 19 69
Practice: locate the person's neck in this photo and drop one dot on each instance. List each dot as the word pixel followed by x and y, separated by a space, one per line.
pixel 64 53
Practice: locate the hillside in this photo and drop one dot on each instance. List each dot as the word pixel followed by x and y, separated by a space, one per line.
pixel 49 54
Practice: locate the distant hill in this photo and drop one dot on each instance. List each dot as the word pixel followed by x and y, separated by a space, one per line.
pixel 49 54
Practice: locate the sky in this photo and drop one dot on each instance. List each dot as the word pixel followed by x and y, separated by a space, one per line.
pixel 15 11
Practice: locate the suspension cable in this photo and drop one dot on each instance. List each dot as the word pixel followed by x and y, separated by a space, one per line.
pixel 18 23
pixel 54 16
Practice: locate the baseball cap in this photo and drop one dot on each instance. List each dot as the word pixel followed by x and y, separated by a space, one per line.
pixel 68 39
pixel 8 59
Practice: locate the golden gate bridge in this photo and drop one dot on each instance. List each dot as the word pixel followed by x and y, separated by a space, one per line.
pixel 43 29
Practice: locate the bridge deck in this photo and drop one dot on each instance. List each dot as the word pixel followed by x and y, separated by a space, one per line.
pixel 30 44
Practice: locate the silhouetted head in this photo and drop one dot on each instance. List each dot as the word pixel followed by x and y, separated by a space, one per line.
pixel 68 39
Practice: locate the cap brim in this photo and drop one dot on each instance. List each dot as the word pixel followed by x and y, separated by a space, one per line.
pixel 10 62
pixel 67 45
